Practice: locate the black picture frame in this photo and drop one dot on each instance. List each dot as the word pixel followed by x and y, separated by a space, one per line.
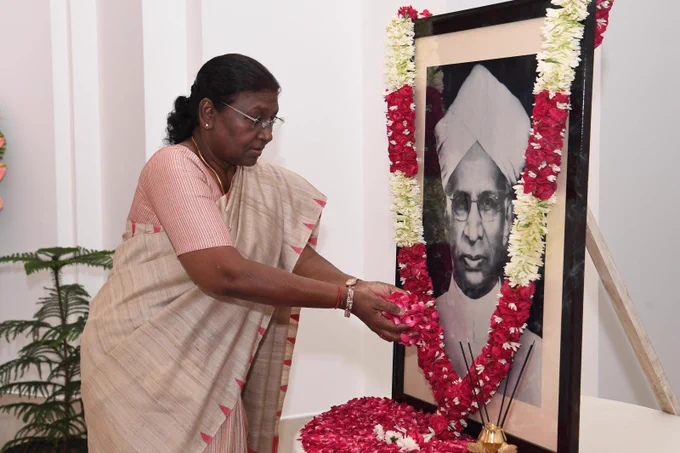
pixel 575 216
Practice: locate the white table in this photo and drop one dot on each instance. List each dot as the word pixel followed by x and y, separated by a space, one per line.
pixel 612 426
pixel 615 427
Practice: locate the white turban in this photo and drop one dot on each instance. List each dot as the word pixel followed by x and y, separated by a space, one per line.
pixel 484 111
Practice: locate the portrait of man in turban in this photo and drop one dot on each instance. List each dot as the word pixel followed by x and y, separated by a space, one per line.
pixel 480 144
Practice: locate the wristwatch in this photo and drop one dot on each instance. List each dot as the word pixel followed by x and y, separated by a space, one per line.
pixel 350 284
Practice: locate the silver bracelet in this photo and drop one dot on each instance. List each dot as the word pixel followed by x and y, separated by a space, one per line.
pixel 350 301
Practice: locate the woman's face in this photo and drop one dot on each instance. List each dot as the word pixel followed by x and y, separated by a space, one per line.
pixel 236 139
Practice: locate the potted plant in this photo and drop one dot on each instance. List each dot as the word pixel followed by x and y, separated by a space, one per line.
pixel 51 405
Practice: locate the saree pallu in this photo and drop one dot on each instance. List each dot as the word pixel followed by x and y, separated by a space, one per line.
pixel 163 364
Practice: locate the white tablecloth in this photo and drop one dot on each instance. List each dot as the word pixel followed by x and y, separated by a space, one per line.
pixel 611 426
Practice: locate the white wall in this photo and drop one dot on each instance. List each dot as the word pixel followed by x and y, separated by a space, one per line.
pixel 122 107
pixel 29 217
pixel 165 64
pixel 638 194
pixel 314 50
pixel 72 101
pixel 70 87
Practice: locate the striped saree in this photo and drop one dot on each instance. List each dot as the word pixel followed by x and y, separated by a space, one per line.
pixel 168 369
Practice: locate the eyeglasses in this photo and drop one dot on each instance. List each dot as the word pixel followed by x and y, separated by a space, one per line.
pixel 259 122
pixel 488 204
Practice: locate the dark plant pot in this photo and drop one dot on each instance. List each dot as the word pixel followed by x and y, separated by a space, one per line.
pixel 74 446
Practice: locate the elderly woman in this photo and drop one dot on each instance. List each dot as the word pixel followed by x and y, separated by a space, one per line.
pixel 188 345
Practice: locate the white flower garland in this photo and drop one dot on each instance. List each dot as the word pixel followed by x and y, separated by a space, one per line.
pixel 561 48
pixel 400 67
pixel 407 209
pixel 526 243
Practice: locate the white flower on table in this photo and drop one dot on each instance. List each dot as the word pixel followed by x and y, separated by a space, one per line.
pixel 391 437
pixel 408 444
pixel 428 437
pixel 379 432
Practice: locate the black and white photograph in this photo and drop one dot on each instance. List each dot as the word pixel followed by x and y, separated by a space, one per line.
pixel 480 141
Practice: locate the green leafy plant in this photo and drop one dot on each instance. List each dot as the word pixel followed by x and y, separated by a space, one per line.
pixel 53 414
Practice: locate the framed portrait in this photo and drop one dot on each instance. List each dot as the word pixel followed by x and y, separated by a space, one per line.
pixel 475 74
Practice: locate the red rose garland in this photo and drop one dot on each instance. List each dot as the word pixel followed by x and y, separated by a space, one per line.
pixel 603 9
pixel 401 126
pixel 412 13
pixel 544 153
pixel 361 425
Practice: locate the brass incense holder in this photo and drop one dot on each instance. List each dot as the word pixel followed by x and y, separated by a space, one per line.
pixel 491 440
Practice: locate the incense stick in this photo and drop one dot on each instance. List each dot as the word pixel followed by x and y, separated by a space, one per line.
pixel 519 378
pixel 505 392
pixel 481 386
pixel 481 414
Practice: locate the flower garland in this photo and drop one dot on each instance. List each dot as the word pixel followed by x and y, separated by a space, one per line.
pixel 373 424
pixel 376 425
pixel 604 7
pixel 562 33
pixel 400 75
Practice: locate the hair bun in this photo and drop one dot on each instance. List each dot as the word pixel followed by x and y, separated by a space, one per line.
pixel 182 105
pixel 180 121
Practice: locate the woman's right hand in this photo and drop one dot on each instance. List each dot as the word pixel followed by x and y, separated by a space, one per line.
pixel 369 308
